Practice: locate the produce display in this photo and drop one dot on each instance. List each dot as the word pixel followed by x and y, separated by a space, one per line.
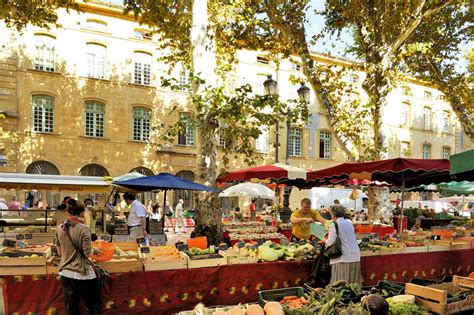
pixel 270 251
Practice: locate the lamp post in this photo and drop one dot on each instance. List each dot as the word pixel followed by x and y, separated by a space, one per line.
pixel 304 95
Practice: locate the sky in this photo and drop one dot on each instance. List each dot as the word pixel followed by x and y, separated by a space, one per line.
pixel 337 46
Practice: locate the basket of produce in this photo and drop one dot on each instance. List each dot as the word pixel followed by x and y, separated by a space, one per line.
pixel 280 295
pixel 385 288
pixel 199 242
pixel 107 249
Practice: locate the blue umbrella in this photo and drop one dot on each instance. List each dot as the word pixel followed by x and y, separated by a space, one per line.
pixel 162 181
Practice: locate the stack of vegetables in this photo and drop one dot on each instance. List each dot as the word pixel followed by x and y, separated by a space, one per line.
pixel 270 251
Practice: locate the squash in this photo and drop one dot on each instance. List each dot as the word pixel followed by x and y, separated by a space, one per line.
pixel 255 309
pixel 236 311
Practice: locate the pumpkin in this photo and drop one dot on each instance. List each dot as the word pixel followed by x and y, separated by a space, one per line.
pixel 236 311
pixel 255 309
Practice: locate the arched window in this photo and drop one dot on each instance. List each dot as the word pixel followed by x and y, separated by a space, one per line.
pixel 45 54
pixel 94 119
pixel 142 68
pixel 426 154
pixel 42 167
pixel 43 113
pixel 186 137
pixel 94 170
pixel 141 123
pixel 96 25
pixel 261 144
pixel 186 195
pixel 405 117
pixel 427 118
pixel 96 56
pixel 142 170
pixel 295 142
pixel 324 145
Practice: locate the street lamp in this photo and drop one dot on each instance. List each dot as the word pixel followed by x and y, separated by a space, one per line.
pixel 270 86
pixel 304 93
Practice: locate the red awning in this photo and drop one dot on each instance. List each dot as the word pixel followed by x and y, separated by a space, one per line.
pixel 273 172
pixel 399 171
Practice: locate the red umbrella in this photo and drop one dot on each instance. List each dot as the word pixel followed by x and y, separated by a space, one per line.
pixel 275 172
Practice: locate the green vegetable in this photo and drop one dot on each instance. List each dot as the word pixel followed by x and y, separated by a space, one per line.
pixel 405 309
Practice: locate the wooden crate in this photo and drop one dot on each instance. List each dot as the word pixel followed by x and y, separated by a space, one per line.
pixel 416 249
pixel 392 250
pixel 439 246
pixel 162 263
pixel 234 258
pixel 460 245
pixel 208 262
pixel 125 246
pixel 122 266
pixel 26 265
pixel 435 297
pixel 366 253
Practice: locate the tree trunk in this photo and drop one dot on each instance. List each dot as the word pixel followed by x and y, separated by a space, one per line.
pixel 208 215
pixel 377 88
pixel 379 207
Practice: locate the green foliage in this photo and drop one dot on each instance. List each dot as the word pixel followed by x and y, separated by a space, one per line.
pixel 18 13
pixel 237 117
pixel 432 54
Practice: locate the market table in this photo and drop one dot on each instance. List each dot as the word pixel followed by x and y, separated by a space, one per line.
pixel 170 291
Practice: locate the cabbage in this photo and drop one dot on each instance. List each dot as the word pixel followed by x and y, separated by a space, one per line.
pixel 267 254
pixel 375 304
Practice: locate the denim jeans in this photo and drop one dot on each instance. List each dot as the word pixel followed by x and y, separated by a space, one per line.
pixel 88 290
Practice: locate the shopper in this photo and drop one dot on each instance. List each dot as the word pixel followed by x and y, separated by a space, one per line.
pixel 168 215
pixel 136 217
pixel 73 242
pixel 14 205
pixel 253 209
pixel 302 218
pixel 3 205
pixel 61 213
pixel 347 266
pixel 90 217
pixel 178 212
pixel 237 215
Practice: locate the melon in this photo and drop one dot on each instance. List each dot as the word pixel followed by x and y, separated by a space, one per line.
pixel 255 309
pixel 273 308
pixel 236 311
pixel 219 312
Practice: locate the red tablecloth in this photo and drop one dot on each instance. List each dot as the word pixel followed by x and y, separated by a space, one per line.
pixel 380 230
pixel 166 292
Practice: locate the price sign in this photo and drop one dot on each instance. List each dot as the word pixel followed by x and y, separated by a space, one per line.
pixel 20 237
pixel 9 243
pixel 240 244
pixel 28 236
pixel 182 247
pixel 261 242
pixel 145 250
pixel 284 241
pixel 302 242
pixel 105 237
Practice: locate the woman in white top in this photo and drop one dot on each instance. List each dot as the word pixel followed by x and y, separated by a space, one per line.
pixel 347 266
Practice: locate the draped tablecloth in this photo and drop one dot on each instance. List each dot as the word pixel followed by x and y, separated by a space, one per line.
pixel 170 291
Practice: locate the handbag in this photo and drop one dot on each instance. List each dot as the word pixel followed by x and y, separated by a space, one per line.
pixel 101 274
pixel 335 250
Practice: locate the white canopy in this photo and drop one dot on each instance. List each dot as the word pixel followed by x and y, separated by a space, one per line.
pixel 79 184
pixel 248 189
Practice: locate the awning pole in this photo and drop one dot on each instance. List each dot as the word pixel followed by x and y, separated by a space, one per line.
pixel 401 215
pixel 163 214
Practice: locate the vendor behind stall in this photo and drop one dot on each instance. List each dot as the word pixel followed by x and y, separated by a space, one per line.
pixel 302 218
pixel 136 218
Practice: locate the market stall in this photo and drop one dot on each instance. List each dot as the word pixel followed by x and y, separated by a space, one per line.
pixel 170 291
